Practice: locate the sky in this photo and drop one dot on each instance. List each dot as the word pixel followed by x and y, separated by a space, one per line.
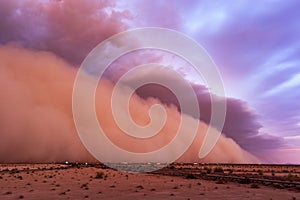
pixel 255 47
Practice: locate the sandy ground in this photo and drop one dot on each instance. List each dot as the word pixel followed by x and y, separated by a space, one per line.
pixel 46 182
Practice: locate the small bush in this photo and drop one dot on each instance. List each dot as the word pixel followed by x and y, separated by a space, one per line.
pixel 278 186
pixel 245 180
pixel 220 181
pixel 208 171
pixel 254 185
pixel 218 170
pixel 291 177
pixel 172 167
pixel 99 175
pixel 273 173
pixel 190 176
pixel 203 172
pixel 84 186
pixel 260 172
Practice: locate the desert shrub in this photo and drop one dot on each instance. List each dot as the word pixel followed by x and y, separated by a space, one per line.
pixel 291 177
pixel 208 170
pixel 218 170
pixel 203 172
pixel 260 172
pixel 220 181
pixel 245 180
pixel 190 176
pixel 273 173
pixel 171 167
pixel 278 186
pixel 99 175
pixel 254 185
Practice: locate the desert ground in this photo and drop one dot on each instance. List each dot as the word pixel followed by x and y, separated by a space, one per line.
pixel 176 181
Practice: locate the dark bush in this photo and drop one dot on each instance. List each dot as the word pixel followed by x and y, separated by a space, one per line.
pixel 208 171
pixel 218 170
pixel 260 172
pixel 99 175
pixel 220 181
pixel 190 176
pixel 245 180
pixel 254 185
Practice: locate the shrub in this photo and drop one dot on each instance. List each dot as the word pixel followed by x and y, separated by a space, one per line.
pixel 245 180
pixel 220 181
pixel 273 173
pixel 260 172
pixel 99 175
pixel 278 186
pixel 171 167
pixel 203 172
pixel 254 185
pixel 208 170
pixel 190 176
pixel 290 177
pixel 218 170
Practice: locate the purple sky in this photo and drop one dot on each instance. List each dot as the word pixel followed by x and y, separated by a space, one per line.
pixel 256 47
pixel 254 44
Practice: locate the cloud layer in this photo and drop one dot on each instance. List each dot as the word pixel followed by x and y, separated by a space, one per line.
pixel 70 29
pixel 36 116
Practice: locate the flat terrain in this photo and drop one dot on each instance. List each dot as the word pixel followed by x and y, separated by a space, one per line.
pixel 177 181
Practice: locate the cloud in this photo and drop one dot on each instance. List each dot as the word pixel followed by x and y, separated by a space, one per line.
pixel 70 29
pixel 257 52
pixel 36 116
pixel 241 123
pixel 166 13
pixel 288 85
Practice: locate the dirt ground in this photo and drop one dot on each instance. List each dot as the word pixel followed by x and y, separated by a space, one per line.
pixel 59 182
